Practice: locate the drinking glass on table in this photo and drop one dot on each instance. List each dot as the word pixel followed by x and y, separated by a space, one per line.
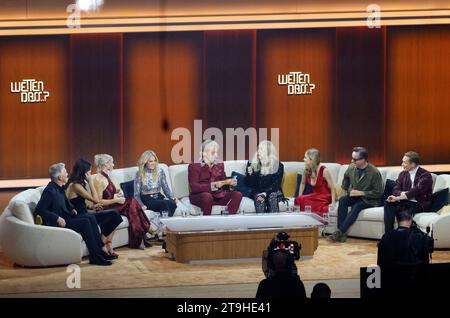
pixel 307 209
pixel 225 211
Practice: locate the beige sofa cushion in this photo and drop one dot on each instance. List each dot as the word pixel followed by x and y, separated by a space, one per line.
pixel 289 183
pixel 445 210
pixel 426 219
pixel 234 165
pixel 334 169
pixel 179 180
pixel 339 191
pixel 21 210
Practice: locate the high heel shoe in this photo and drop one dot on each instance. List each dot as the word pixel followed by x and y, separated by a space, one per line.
pixel 111 252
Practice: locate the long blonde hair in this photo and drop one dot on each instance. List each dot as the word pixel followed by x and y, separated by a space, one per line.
pixel 313 155
pixel 269 161
pixel 145 157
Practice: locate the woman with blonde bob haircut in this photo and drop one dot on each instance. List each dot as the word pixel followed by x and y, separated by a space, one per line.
pixel 208 184
pixel 264 175
pixel 321 182
pixel 149 181
pixel 113 198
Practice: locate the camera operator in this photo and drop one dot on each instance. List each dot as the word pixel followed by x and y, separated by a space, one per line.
pixel 403 256
pixel 282 284
pixel 278 244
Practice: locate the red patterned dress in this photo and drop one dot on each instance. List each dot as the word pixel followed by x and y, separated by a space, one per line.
pixel 139 223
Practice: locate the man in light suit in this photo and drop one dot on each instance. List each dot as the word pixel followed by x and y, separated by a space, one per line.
pixel 413 189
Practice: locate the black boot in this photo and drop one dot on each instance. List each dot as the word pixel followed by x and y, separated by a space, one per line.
pixel 107 256
pixel 99 260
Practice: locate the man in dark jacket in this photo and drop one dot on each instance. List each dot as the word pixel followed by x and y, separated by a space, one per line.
pixel 413 189
pixel 56 210
pixel 363 184
pixel 403 257
pixel 282 284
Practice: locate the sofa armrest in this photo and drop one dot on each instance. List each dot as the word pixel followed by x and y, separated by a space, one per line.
pixel 441 232
pixel 38 245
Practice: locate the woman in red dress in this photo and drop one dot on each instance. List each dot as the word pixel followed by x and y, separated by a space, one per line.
pixel 319 178
pixel 114 199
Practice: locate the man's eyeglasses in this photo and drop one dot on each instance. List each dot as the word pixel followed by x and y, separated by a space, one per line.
pixel 356 159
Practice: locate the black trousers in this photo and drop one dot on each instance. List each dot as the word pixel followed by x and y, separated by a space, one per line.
pixel 88 229
pixel 159 203
pixel 346 219
pixel 108 220
pixel 389 212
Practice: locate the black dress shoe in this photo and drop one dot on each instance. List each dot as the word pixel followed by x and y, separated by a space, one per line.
pixel 107 256
pixel 98 260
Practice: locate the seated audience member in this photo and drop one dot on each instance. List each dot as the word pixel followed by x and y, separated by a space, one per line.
pixel 321 182
pixel 321 291
pixel 208 183
pixel 77 193
pixel 264 175
pixel 282 284
pixel 149 181
pixel 413 188
pixel 403 257
pixel 56 210
pixel 113 198
pixel 363 184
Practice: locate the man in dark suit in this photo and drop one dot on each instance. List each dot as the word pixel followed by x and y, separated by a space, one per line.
pixel 56 210
pixel 403 257
pixel 282 284
pixel 412 189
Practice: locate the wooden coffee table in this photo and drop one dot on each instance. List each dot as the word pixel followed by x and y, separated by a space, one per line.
pixel 237 237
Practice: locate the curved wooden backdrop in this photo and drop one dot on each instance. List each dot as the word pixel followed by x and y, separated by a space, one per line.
pixel 386 89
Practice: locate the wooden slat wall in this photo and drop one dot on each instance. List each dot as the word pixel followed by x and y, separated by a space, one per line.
pixel 229 82
pixel 162 90
pixel 360 79
pixel 124 93
pixel 418 93
pixel 304 120
pixel 33 135
pixel 96 95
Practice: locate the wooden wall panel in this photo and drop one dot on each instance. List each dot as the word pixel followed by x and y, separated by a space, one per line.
pixel 124 93
pixel 418 94
pixel 359 116
pixel 304 121
pixel 33 135
pixel 229 81
pixel 162 90
pixel 96 95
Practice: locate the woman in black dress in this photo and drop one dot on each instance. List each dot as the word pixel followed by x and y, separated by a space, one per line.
pixel 264 175
pixel 78 193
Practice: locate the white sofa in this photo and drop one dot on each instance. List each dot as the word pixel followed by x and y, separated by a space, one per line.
pixel 36 245
pixel 29 244
pixel 370 222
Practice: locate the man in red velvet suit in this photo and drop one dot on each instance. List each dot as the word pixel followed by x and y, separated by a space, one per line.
pixel 413 188
pixel 208 182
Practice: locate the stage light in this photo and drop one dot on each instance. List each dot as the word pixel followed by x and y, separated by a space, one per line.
pixel 89 5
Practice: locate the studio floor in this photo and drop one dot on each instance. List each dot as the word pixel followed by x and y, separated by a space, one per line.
pixel 151 273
